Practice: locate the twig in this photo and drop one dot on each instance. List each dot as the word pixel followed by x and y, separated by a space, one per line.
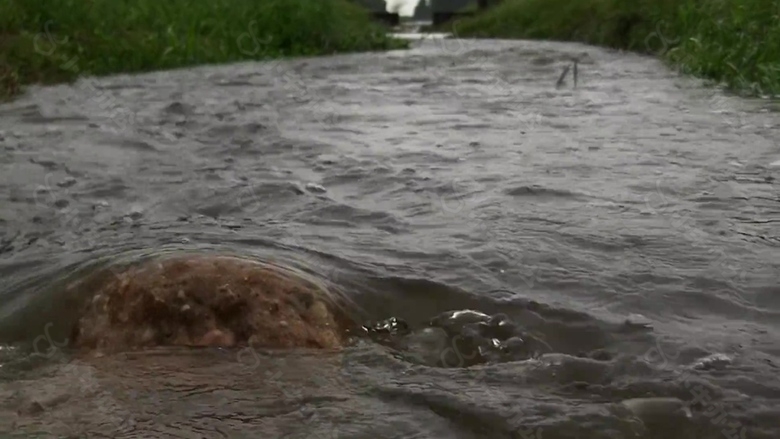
pixel 562 78
pixel 575 72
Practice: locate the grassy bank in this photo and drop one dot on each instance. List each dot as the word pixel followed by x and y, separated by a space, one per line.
pixel 733 42
pixel 50 41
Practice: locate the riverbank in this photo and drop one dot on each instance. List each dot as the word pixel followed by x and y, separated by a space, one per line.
pixel 53 41
pixel 733 42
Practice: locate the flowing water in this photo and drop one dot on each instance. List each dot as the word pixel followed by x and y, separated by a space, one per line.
pixel 629 226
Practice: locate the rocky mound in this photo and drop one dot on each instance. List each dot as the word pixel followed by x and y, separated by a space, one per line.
pixel 209 301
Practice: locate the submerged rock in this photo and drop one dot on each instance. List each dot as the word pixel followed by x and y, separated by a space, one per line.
pixel 454 321
pixel 391 326
pixel 499 326
pixel 480 337
pixel 428 346
pixel 209 301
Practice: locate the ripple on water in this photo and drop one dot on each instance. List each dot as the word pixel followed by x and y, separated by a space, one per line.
pixel 458 181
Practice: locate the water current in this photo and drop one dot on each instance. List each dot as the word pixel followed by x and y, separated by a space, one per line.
pixel 627 227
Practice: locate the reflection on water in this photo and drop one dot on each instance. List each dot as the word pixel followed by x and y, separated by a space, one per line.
pixel 526 261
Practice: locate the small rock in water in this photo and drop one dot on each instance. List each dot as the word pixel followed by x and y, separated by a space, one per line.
pixel 526 346
pixel 466 350
pixel 499 326
pixel 392 326
pixel 775 164
pixel 427 346
pixel 515 347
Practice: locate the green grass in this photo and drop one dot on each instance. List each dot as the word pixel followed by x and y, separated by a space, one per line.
pixel 733 42
pixel 51 41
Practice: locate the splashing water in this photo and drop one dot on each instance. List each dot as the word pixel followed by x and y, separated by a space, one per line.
pixel 404 8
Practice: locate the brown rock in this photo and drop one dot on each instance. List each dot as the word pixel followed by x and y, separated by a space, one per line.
pixel 215 337
pixel 206 300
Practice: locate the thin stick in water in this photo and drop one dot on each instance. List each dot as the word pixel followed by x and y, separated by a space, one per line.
pixel 575 73
pixel 562 78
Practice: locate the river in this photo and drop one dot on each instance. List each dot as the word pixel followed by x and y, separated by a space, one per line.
pixel 631 222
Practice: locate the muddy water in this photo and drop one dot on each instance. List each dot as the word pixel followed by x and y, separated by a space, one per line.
pixel 630 224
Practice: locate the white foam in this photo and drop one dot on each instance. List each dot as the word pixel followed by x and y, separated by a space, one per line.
pixel 714 361
pixel 420 36
pixel 404 8
pixel 638 320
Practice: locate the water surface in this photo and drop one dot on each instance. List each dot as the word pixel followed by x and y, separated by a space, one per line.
pixel 451 176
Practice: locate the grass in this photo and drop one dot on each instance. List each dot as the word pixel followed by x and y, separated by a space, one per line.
pixel 52 41
pixel 735 43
